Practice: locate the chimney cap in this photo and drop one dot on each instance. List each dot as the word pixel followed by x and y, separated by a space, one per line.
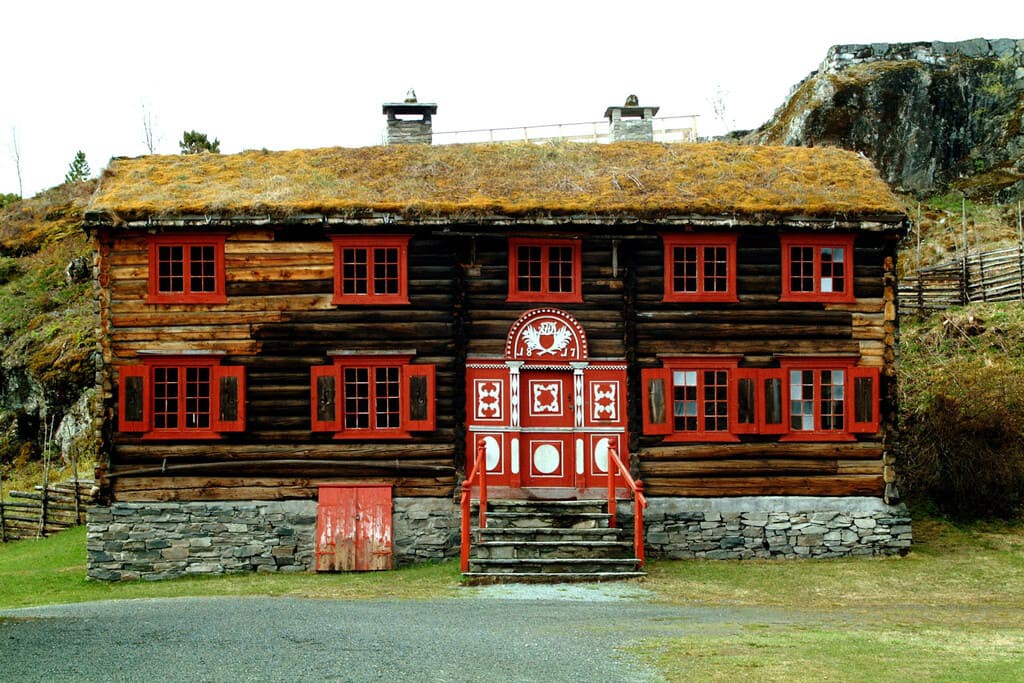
pixel 421 108
pixel 632 111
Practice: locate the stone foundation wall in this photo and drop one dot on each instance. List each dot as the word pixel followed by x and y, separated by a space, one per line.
pixel 154 541
pixel 773 527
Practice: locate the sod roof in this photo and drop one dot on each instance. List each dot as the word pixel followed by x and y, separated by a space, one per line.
pixel 646 181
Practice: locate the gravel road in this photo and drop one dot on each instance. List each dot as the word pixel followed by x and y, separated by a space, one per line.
pixel 495 634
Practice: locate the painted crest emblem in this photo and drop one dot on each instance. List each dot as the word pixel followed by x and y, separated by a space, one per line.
pixel 547 338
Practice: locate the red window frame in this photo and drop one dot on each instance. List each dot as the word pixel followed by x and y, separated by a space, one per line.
pixel 545 290
pixel 700 243
pixel 189 272
pixel 168 395
pixel 814 266
pixel 376 279
pixel 337 408
pixel 767 399
pixel 700 367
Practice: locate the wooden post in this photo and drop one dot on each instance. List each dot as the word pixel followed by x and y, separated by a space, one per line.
pixel 964 280
pixel 1020 251
pixel 78 498
pixel 46 482
pixel 3 516
pixel 981 266
pixel 920 281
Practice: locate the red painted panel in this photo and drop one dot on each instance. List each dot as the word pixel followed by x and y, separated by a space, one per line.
pixel 548 459
pixel 353 528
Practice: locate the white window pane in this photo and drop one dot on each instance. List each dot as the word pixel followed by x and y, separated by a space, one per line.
pixel 826 284
pixel 691 378
pixel 678 378
pixel 837 377
pixel 795 392
pixel 807 423
pixel 837 255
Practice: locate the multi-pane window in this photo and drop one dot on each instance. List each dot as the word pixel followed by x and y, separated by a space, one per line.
pixel 186 269
pixel 372 396
pixel 817 400
pixel 700 267
pixel 181 398
pixel 700 400
pixel 817 268
pixel 544 270
pixel 371 270
pixel 804 399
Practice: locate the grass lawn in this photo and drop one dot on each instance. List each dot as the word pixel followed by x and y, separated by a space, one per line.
pixel 952 610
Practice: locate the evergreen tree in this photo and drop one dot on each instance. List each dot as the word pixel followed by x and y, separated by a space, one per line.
pixel 194 142
pixel 78 169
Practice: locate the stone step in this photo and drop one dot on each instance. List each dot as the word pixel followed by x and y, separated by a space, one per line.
pixel 482 578
pixel 493 550
pixel 563 520
pixel 546 506
pixel 554 565
pixel 546 534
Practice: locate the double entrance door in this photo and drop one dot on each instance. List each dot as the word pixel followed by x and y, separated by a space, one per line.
pixel 546 425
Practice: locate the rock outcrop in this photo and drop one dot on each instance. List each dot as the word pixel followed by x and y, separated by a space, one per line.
pixel 932 116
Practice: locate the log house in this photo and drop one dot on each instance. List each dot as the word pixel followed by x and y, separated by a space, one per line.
pixel 724 317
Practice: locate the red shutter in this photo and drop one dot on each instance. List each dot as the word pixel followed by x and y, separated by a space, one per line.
pixel 657 399
pixel 772 401
pixel 746 397
pixel 864 408
pixel 133 399
pixel 325 398
pixel 229 398
pixel 418 410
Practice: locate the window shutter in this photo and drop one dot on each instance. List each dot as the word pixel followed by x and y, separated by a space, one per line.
pixel 229 396
pixel 864 417
pixel 133 401
pixel 744 408
pixel 418 410
pixel 772 401
pixel 324 399
pixel 657 396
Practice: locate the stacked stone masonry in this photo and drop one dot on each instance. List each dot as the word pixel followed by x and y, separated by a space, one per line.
pixel 938 53
pixel 128 541
pixel 774 527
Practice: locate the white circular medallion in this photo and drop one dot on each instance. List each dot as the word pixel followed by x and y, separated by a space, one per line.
pixel 601 455
pixel 493 453
pixel 546 458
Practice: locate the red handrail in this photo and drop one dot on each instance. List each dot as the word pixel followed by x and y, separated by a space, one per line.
pixel 637 487
pixel 479 468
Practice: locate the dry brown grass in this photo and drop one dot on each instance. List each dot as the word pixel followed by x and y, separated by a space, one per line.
pixel 642 180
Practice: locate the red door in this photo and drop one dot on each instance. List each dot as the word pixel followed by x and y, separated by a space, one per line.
pixel 547 447
pixel 353 529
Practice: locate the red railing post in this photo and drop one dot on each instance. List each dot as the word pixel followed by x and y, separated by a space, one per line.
pixel 613 462
pixel 481 467
pixel 639 503
pixel 464 550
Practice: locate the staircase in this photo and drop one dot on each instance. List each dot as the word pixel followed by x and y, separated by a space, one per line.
pixel 550 541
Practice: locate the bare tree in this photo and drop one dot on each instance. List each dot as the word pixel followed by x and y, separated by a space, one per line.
pixel 16 155
pixel 720 107
pixel 147 130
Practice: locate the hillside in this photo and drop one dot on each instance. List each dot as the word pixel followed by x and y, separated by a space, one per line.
pixel 933 116
pixel 47 327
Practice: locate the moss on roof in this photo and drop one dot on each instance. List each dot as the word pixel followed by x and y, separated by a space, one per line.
pixel 642 180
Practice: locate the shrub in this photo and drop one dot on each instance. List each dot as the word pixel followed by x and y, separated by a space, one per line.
pixel 962 432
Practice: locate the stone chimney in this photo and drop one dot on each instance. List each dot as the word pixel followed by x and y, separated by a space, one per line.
pixel 631 122
pixel 416 128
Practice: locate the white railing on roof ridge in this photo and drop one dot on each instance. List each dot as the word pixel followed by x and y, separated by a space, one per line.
pixel 666 129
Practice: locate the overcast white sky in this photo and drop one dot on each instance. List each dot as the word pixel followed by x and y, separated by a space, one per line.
pixel 292 74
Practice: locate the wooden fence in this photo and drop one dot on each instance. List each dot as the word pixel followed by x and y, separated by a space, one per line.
pixel 984 276
pixel 45 510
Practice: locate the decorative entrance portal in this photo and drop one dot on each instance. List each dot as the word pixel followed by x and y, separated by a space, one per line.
pixel 547 412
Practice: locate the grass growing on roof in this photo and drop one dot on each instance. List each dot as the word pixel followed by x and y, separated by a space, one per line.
pixel 646 180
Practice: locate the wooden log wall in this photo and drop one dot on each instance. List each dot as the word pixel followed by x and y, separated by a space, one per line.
pixel 758 326
pixel 278 321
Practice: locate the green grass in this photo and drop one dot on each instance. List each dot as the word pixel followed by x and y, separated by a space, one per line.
pixel 52 570
pixel 952 610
